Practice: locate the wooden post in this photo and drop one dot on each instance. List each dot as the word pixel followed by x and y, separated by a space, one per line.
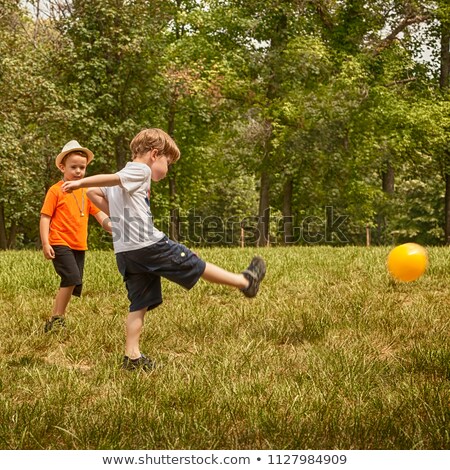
pixel 242 236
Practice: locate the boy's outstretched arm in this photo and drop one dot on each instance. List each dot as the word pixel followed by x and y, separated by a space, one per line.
pixel 91 182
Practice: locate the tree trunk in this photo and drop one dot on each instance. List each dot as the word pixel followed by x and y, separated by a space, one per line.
pixel 445 57
pixel 388 186
pixel 288 226
pixel 174 222
pixel 120 151
pixel 447 209
pixel 264 210
pixel 12 238
pixel 444 84
pixel 277 45
pixel 3 236
pixel 388 179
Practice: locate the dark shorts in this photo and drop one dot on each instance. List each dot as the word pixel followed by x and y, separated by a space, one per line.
pixel 142 271
pixel 69 264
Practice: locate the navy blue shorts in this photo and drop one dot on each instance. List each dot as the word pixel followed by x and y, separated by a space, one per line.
pixel 69 264
pixel 142 271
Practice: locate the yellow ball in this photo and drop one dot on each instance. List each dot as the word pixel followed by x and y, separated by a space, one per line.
pixel 407 262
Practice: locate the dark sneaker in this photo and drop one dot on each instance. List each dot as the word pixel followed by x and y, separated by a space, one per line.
pixel 142 362
pixel 55 321
pixel 254 274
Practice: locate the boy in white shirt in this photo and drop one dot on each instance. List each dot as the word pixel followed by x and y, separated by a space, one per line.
pixel 143 253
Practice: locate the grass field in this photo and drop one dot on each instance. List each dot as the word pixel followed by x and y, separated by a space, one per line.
pixel 330 355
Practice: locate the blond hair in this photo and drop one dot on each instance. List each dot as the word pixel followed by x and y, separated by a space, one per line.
pixel 153 138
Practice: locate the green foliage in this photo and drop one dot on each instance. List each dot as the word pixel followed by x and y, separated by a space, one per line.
pixel 109 70
pixel 31 108
pixel 414 209
pixel 319 97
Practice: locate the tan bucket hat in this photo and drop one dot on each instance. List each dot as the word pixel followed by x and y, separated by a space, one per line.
pixel 73 146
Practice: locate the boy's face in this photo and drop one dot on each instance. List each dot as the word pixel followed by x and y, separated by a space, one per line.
pixel 73 167
pixel 160 167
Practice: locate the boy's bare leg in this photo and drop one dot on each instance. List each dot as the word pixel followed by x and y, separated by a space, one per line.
pixel 133 326
pixel 62 300
pixel 218 275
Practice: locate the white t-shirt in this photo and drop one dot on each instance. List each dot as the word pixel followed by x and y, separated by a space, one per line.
pixel 129 209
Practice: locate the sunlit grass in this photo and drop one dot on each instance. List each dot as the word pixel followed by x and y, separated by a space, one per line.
pixel 331 355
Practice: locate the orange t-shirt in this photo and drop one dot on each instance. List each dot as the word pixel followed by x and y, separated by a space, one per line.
pixel 68 227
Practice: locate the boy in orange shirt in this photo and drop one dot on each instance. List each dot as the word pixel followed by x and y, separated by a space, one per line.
pixel 63 228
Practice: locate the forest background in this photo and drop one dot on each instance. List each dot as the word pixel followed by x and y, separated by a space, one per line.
pixel 299 122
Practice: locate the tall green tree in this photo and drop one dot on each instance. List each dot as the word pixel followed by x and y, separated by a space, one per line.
pixel 30 108
pixel 380 37
pixel 108 55
pixel 259 33
pixel 444 83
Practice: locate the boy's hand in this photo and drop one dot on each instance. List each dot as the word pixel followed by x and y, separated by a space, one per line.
pixel 49 253
pixel 70 186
